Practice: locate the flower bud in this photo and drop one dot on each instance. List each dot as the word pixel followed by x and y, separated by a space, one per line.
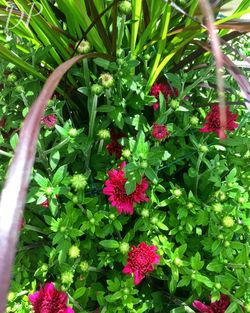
pixel 11 296
pixel 203 148
pixel 126 153
pixel 177 262
pixel 44 267
pixel 49 191
pixel 144 164
pixel 241 200
pixel 145 213
pixel 107 80
pixel 79 182
pixel 103 134
pixel 84 266
pixel 11 78
pixel 112 216
pixel 217 286
pixel 247 307
pixel 174 104
pixel 74 252
pixel 124 247
pixel 177 193
pixel 67 278
pixel 194 121
pixel 19 89
pixel 84 47
pixel 217 207
pixel 125 7
pixel 228 221
pixel 96 89
pixel 190 205
pixel 154 220
pixel 147 57
pixel 226 244
pixel 72 132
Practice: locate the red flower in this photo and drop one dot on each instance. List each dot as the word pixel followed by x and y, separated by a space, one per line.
pixel 115 189
pixel 49 300
pixel 165 89
pixel 49 120
pixel 160 132
pixel 213 124
pixel 214 307
pixel 140 261
pixel 45 203
pixel 114 148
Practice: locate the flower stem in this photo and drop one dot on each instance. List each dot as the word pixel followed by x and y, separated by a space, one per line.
pixel 8 154
pixel 57 147
pixel 197 170
pixel 121 32
pixel 92 107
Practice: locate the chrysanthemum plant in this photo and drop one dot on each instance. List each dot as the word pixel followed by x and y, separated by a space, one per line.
pixel 131 206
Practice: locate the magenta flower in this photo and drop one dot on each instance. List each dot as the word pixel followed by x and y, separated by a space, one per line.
pixel 212 123
pixel 50 300
pixel 160 132
pixel 115 189
pixel 214 307
pixel 165 89
pixel 49 120
pixel 140 261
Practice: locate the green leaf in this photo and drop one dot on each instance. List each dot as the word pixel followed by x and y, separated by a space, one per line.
pixel 112 298
pixel 141 147
pixel 215 266
pixel 59 175
pixel 130 186
pixel 196 262
pixel 232 308
pixel 109 244
pixel 54 159
pixel 41 181
pixel 105 108
pixel 151 175
pixel 14 141
pixel 102 63
pixel 79 292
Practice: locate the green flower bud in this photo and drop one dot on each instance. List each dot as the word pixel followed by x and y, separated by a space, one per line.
pixel 177 262
pixel 154 220
pixel 145 213
pixel 194 121
pixel 228 221
pixel 247 307
pixel 144 164
pixel 63 229
pixel 126 153
pixel 124 247
pixel 125 7
pixel 220 195
pixel 126 291
pixel 67 278
pixel 92 221
pixel 203 148
pixel 217 207
pixel 107 80
pixel 218 286
pixel 11 296
pixel 96 89
pixel 220 237
pixel 177 193
pixel 19 89
pixel 174 104
pixel 72 132
pixel 74 252
pixel 49 191
pixel 75 200
pixel 112 216
pixel 226 244
pixel 11 78
pixel 84 47
pixel 241 200
pixel 147 57
pixel 190 205
pixel 79 182
pixel 44 267
pixel 103 134
pixel 84 266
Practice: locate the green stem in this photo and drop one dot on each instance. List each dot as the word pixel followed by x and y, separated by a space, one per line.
pixel 34 228
pixel 121 32
pixel 93 116
pixel 57 147
pixel 86 72
pixel 8 154
pixel 197 170
pixel 100 146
